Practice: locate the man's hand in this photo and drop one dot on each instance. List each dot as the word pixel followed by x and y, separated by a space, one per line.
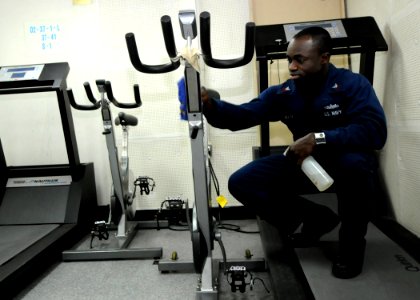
pixel 206 96
pixel 302 147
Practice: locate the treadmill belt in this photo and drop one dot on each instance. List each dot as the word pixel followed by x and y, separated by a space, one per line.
pixel 16 238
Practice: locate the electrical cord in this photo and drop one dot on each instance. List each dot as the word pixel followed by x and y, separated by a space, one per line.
pixel 262 281
pixel 222 248
pixel 221 225
pixel 214 178
pixel 232 227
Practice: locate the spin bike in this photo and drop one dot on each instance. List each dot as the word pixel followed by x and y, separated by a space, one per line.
pixel 203 230
pixel 121 196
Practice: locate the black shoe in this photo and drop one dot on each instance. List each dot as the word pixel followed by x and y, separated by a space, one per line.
pixel 349 262
pixel 324 221
pixel 346 269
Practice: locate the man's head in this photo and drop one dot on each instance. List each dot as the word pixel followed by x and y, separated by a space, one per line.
pixel 308 53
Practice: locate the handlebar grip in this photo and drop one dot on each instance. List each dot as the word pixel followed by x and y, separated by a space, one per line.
pixel 73 103
pixel 168 36
pixel 114 101
pixel 227 63
pixel 89 93
pixel 137 95
pixel 139 66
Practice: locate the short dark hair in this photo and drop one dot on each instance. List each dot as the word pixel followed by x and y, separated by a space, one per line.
pixel 319 35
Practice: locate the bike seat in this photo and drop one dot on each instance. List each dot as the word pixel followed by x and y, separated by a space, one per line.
pixel 125 120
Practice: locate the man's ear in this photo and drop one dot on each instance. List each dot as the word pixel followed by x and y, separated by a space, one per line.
pixel 325 57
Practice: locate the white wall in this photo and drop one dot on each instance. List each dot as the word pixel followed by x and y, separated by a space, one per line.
pixel 396 82
pixel 91 39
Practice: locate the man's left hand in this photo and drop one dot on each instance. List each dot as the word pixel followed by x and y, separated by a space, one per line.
pixel 302 147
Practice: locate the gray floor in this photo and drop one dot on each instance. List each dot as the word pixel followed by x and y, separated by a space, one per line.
pixel 389 272
pixel 140 279
pixel 384 276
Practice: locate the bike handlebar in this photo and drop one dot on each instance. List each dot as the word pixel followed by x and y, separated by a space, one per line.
pixel 114 101
pixel 89 93
pixel 168 36
pixel 73 103
pixel 226 63
pixel 103 87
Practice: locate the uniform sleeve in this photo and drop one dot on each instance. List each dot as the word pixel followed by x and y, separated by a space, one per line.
pixel 365 117
pixel 225 115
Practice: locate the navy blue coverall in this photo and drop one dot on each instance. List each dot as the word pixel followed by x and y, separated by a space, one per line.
pixel 347 110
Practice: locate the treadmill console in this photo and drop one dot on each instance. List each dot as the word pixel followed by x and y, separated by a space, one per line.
pixel 31 72
pixel 334 27
pixel 349 35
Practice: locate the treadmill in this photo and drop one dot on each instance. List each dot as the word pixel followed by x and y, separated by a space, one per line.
pixel 44 208
pixel 359 35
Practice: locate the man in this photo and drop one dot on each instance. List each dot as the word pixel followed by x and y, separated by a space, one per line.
pixel 335 116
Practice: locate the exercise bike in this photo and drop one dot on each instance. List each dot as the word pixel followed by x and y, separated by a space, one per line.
pixel 122 198
pixel 204 231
